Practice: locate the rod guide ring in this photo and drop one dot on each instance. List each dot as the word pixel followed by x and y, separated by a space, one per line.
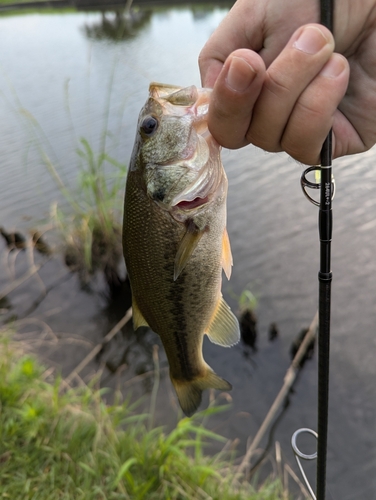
pixel 305 183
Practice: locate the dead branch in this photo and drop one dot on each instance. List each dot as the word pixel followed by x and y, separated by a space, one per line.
pixel 279 400
pixel 99 347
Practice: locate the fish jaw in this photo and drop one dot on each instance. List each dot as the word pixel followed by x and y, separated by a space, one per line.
pixel 209 185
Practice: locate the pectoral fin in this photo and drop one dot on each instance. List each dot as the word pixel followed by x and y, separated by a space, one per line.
pixel 138 319
pixel 226 254
pixel 224 326
pixel 186 247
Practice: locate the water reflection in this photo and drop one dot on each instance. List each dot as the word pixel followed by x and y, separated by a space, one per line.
pixel 202 12
pixel 118 26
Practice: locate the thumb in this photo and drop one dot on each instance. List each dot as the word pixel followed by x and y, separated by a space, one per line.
pixel 235 92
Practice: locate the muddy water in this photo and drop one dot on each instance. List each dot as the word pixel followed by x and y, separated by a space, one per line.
pixel 66 73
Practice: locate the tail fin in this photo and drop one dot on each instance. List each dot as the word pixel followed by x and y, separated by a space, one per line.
pixel 189 392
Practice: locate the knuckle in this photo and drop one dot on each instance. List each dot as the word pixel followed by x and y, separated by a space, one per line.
pixel 277 86
pixel 311 109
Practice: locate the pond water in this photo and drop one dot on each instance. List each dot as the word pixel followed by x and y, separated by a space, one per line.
pixel 65 73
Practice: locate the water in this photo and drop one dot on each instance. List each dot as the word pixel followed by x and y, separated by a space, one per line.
pixel 54 69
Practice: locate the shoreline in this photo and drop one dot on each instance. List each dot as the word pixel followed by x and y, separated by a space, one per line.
pixel 103 5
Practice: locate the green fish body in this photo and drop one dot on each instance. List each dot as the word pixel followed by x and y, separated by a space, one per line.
pixel 175 239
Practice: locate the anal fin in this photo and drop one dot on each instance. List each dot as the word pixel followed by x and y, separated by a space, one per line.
pixel 138 319
pixel 224 326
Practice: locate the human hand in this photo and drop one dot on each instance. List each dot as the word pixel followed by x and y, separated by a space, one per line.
pixel 279 85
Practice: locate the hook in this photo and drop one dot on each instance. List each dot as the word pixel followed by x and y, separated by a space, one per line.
pixel 299 455
pixel 305 183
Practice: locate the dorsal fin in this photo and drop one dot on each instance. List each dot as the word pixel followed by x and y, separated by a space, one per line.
pixel 186 247
pixel 224 326
pixel 226 254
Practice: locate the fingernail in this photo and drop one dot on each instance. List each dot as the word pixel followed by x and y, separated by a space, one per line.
pixel 311 40
pixel 240 74
pixel 333 67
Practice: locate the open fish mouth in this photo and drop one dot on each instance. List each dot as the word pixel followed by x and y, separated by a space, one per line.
pixel 190 205
pixel 200 191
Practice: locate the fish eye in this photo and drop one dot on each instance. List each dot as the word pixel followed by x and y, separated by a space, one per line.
pixel 149 125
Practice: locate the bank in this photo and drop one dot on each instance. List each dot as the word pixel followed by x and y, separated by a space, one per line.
pixel 102 5
pixel 59 442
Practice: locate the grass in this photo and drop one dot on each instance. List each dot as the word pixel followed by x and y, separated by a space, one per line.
pixel 64 443
pixel 90 222
pixel 91 229
pixel 247 301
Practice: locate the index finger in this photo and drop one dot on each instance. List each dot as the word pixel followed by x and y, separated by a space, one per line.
pixel 263 27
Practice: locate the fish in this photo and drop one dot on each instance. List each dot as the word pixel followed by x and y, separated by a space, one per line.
pixel 175 239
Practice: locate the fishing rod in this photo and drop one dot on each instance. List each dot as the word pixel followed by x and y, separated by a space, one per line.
pixel 325 224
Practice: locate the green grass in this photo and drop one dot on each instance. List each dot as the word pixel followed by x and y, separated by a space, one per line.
pixel 89 223
pixel 91 228
pixel 68 444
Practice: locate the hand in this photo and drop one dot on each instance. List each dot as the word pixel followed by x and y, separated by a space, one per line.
pixel 279 85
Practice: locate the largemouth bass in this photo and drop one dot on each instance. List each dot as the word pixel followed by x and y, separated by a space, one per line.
pixel 175 239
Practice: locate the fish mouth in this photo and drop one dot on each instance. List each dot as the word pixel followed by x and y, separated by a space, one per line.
pixel 190 205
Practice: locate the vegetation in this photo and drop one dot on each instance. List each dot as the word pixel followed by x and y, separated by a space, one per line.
pixel 90 226
pixel 91 230
pixel 247 303
pixel 64 443
pixel 247 300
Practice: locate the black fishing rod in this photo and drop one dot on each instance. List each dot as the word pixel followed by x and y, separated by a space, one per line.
pixel 325 225
pixel 325 281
